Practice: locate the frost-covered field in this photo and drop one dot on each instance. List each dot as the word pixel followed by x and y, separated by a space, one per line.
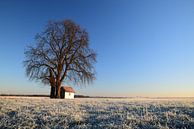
pixel 21 112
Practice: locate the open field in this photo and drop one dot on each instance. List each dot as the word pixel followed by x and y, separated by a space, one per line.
pixel 41 112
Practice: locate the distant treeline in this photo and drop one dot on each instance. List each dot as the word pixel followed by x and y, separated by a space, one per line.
pixel 76 96
pixel 84 96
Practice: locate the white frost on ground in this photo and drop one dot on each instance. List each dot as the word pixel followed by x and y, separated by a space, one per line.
pixel 44 113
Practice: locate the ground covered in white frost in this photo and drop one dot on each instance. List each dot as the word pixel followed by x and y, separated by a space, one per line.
pixel 21 112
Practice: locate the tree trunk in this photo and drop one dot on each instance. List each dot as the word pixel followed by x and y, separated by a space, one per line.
pixel 59 93
pixel 52 84
pixel 53 91
pixel 58 88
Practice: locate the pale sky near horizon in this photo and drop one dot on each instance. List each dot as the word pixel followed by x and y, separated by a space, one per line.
pixel 145 47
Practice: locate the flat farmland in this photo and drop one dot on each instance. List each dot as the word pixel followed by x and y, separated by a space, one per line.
pixel 95 113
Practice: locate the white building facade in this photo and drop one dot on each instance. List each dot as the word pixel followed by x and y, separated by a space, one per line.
pixel 69 95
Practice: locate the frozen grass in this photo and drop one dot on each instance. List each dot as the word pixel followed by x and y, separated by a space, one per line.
pixel 21 112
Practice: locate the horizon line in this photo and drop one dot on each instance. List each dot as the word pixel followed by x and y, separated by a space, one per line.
pixel 91 96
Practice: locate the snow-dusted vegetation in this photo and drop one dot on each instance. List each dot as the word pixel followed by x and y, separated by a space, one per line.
pixel 21 112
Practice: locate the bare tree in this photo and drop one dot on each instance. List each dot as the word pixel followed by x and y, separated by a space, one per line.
pixel 61 53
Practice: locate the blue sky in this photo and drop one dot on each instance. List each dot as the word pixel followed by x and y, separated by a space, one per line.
pixel 145 48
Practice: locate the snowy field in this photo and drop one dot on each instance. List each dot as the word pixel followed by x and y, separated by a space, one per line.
pixel 44 113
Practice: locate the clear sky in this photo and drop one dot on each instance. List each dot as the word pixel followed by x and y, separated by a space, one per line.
pixel 145 47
